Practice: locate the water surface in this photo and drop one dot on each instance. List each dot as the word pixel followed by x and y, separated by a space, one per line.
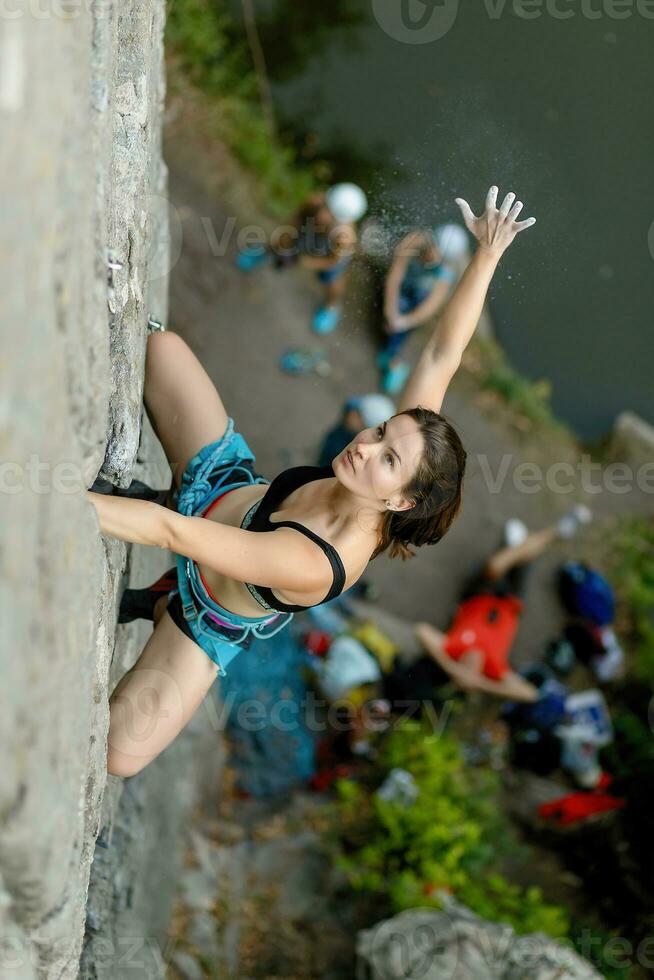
pixel 558 110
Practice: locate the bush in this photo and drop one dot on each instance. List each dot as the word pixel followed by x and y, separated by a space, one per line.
pixel 209 49
pixel 633 574
pixel 449 839
pixel 489 364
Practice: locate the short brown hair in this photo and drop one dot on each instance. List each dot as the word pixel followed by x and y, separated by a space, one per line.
pixel 436 489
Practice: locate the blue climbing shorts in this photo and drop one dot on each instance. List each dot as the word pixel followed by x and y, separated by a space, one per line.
pixel 218 468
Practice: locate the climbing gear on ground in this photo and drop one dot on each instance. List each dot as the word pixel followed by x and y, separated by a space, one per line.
pixel 304 361
pixel 584 592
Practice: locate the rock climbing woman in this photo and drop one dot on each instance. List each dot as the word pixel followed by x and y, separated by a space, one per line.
pixel 251 553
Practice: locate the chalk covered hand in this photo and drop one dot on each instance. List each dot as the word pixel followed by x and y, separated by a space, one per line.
pixel 496 228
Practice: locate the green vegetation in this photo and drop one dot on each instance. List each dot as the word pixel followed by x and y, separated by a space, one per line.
pixel 450 839
pixel 209 48
pixel 633 574
pixel 604 950
pixel 307 27
pixel 489 365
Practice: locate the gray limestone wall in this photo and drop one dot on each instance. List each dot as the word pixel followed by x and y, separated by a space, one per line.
pixel 81 175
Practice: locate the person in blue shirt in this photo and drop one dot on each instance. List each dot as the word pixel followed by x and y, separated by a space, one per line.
pixel 322 237
pixel 417 285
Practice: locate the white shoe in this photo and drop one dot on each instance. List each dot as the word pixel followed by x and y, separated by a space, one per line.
pixel 515 532
pixel 569 524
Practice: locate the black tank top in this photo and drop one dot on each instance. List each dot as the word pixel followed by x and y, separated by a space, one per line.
pixel 258 519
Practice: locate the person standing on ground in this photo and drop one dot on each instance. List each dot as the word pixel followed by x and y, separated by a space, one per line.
pixel 322 237
pixel 417 285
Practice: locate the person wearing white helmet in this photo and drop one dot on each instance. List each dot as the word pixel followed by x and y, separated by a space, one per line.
pixel 362 412
pixel 322 237
pixel 417 285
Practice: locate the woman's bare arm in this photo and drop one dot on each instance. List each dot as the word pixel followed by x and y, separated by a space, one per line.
pixel 136 521
pixel 494 230
pixel 510 686
pixel 281 559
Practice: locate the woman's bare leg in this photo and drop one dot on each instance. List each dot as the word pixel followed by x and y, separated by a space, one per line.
pixel 182 402
pixel 534 545
pixel 336 290
pixel 156 698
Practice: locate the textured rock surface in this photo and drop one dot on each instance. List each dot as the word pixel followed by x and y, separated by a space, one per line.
pixel 632 439
pixel 81 91
pixel 457 945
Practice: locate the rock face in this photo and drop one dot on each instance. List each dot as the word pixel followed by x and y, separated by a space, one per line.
pixel 632 439
pixel 456 944
pixel 81 94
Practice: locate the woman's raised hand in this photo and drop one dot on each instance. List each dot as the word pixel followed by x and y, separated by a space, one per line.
pixel 497 227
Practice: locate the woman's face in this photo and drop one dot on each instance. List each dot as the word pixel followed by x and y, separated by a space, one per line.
pixel 379 462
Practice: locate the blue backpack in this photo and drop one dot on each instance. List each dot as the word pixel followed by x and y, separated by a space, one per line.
pixel 586 593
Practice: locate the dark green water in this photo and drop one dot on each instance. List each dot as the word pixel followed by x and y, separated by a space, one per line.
pixel 558 110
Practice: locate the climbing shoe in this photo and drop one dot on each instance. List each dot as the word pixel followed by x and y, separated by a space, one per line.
pixel 395 377
pixel 515 532
pixel 326 319
pixel 140 603
pixel 569 524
